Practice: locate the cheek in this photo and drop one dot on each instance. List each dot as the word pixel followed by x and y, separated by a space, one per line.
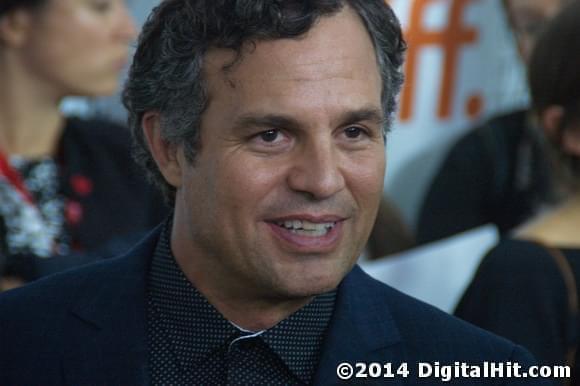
pixel 67 61
pixel 365 177
pixel 239 186
pixel 47 49
pixel 250 180
pixel 62 39
pixel 81 41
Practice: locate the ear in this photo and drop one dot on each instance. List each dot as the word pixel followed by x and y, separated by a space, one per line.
pixel 166 155
pixel 550 119
pixel 15 27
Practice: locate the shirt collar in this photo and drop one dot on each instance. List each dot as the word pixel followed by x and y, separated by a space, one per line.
pixel 298 339
pixel 192 325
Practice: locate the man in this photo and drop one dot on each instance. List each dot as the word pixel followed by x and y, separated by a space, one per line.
pixel 263 122
pixel 497 173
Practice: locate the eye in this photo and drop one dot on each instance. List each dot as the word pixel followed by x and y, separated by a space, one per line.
pixel 269 136
pixel 269 140
pixel 353 132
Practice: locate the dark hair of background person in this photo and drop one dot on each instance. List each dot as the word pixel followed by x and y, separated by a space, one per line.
pixel 167 70
pixel 8 5
pixel 554 77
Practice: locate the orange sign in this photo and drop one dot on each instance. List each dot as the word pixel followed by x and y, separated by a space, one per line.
pixel 451 39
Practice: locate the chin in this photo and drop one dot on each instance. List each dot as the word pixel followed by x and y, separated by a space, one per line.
pixel 308 291
pixel 311 284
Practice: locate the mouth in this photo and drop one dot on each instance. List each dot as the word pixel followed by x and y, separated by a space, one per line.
pixel 307 228
pixel 311 235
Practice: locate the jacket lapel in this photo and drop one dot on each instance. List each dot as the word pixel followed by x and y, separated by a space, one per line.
pixel 362 330
pixel 107 324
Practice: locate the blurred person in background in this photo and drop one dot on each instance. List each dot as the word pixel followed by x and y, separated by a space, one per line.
pixel 67 186
pixel 496 173
pixel 525 288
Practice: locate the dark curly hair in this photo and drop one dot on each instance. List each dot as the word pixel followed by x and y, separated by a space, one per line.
pixel 166 74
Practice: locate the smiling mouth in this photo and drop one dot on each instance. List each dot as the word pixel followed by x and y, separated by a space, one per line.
pixel 312 235
pixel 307 228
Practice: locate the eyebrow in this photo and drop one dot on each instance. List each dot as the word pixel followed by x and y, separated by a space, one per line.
pixel 370 113
pixel 267 120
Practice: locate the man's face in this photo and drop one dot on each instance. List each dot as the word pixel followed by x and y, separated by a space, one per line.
pixel 529 17
pixel 283 194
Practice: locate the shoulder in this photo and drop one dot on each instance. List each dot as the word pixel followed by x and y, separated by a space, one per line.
pixel 42 322
pixel 515 269
pixel 516 249
pixel 518 272
pixel 505 126
pixel 514 119
pixel 502 127
pixel 516 281
pixel 431 334
pixel 97 133
pixel 517 260
pixel 35 319
pixel 101 150
pixel 55 293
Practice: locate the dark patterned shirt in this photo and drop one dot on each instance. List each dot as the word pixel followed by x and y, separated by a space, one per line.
pixel 190 342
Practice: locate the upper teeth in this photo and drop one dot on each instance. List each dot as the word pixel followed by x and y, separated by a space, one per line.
pixel 306 225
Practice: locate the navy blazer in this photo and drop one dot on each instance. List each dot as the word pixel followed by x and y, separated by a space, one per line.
pixel 88 327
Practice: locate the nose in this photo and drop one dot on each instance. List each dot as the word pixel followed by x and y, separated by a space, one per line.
pixel 125 28
pixel 316 171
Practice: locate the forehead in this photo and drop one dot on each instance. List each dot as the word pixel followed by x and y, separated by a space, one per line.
pixel 336 50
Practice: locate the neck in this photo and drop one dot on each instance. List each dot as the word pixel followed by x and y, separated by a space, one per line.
pixel 557 227
pixel 250 314
pixel 30 119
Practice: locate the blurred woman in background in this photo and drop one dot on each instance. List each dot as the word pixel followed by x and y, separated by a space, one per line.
pixel 497 172
pixel 67 186
pixel 526 288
